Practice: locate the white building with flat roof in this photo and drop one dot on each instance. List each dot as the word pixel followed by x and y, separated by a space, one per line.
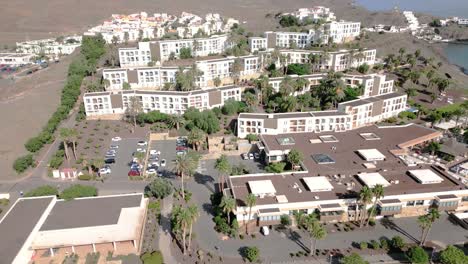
pixel 342 31
pixel 50 46
pixel 16 58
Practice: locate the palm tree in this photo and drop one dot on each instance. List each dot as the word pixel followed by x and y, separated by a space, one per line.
pixel 301 84
pixel 433 147
pixel 250 99
pixel 193 213
pixel 175 121
pixel 184 221
pixel 228 204
pixel 378 193
pixel 424 223
pixel 251 201
pixel 65 136
pixel 317 232
pixel 196 137
pixel 73 133
pixel 432 216
pixel 365 198
pixel 134 108
pixel 287 86
pixel 182 167
pixel 98 163
pixel 224 168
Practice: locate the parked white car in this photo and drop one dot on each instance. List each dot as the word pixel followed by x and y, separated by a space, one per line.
pixel 116 139
pixel 251 156
pixel 114 146
pixel 265 230
pixel 142 143
pixel 155 152
pixel 105 170
pixel 151 171
pixel 163 163
pixel 141 150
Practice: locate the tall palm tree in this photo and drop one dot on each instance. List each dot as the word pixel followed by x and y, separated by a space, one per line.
pixel 251 201
pixel 228 204
pixel 378 193
pixel 432 216
pixel 98 163
pixel 184 221
pixel 224 168
pixel 424 223
pixel 317 232
pixel 73 133
pixel 365 198
pixel 193 213
pixel 287 86
pixel 65 137
pixel 182 167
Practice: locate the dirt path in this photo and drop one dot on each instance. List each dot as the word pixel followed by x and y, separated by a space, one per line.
pixel 25 107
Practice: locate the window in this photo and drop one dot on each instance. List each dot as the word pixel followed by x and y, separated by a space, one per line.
pixel 448 204
pixel 410 203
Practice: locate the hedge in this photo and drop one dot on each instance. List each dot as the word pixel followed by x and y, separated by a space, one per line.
pixel 23 163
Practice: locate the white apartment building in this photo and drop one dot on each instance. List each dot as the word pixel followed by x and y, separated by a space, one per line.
pixel 155 77
pixel 274 124
pixel 139 78
pixel 162 50
pixel 50 46
pixel 111 105
pixel 314 13
pixel 462 21
pixel 350 115
pixel 258 44
pixel 16 58
pixel 341 31
pixel 334 60
pixel 299 40
pixel 373 84
pixel 374 109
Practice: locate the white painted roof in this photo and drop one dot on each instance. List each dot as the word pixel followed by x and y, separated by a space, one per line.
pixel 372 179
pixel 371 154
pixel 281 199
pixel 264 187
pixel 318 184
pixel 426 176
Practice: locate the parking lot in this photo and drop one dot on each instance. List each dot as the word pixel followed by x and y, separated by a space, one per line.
pixel 168 153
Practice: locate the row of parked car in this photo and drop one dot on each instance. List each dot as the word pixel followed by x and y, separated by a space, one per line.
pixel 135 164
pixel 154 161
pixel 250 156
pixel 109 159
pixel 181 146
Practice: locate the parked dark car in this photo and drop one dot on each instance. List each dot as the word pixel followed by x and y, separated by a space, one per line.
pixel 109 160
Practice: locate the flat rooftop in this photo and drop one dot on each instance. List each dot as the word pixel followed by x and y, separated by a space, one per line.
pixel 98 211
pixel 345 151
pixel 17 225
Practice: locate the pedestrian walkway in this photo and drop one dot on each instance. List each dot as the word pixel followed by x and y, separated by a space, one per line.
pixel 164 240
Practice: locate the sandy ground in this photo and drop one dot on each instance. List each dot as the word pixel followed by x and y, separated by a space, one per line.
pixel 25 107
pixel 29 19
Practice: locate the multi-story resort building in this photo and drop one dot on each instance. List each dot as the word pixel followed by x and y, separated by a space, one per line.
pixel 157 76
pixel 372 84
pixel 111 105
pixel 315 13
pixel 330 61
pixel 162 50
pixel 341 31
pixel 15 58
pixel 337 165
pixel 50 46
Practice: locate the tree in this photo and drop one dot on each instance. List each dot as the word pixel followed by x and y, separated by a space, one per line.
pixel 363 68
pixel 183 165
pixel 196 137
pixel 354 258
pixel 159 188
pixel 44 190
pixel 418 255
pixel 317 232
pixel 228 205
pixel 433 147
pixel 182 218
pixel 285 220
pixel 252 254
pixel 65 137
pixel 442 84
pixel 175 121
pixel 193 215
pixel 251 137
pixel 397 242
pixel 288 104
pixel 236 70
pixel 78 191
pixel 217 81
pixel 453 255
pixel 185 53
pixel 154 257
pixel 295 158
pixel 73 133
pixel 98 163
pixel 134 108
pixel 434 117
pixel 251 201
pixel 424 223
pixel 224 168
pixel 365 198
pixel 287 86
pixel 432 216
pixel 250 99
pixel 378 193
pixel 126 86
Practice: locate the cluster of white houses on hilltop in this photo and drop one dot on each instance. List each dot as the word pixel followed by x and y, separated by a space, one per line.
pixel 60 46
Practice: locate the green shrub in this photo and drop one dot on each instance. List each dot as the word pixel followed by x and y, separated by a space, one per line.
pixel 44 190
pixel 34 144
pixel 152 258
pixel 453 255
pixel 252 254
pixel 363 245
pixel 375 244
pixel 23 163
pixel 56 162
pixel 77 191
pixel 384 243
pixel 398 242
pixel 85 177
pixel 418 255
pixel 276 167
